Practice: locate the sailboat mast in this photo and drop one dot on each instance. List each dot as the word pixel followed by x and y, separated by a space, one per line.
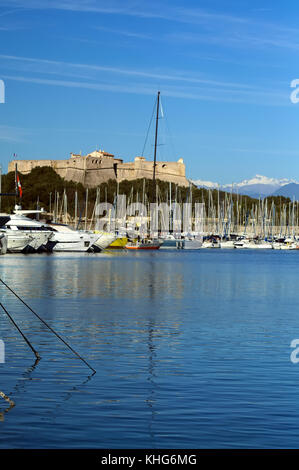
pixel 155 151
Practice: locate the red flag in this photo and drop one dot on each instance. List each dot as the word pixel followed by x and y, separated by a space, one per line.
pixel 19 186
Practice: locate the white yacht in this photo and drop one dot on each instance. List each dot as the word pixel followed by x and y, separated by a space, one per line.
pixel 170 241
pixel 285 244
pixel 190 243
pixel 25 234
pixel 17 241
pixel 228 244
pixel 69 239
pixel 3 244
pixel 253 244
pixel 211 243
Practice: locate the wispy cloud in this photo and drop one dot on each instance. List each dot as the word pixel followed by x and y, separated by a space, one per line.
pixel 154 9
pixel 266 151
pixel 174 83
pixel 121 32
pixel 237 40
pixel 60 67
pixel 218 95
pixel 218 28
pixel 142 9
pixel 13 134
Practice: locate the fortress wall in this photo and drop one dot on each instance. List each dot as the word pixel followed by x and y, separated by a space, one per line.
pixel 85 170
pixel 25 166
pixel 166 171
pixel 98 167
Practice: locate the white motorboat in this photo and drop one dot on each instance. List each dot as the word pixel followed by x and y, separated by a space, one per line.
pixel 170 241
pixel 17 241
pixel 25 234
pixel 242 243
pixel 252 244
pixel 182 243
pixel 263 245
pixel 192 244
pixel 227 244
pixel 285 244
pixel 69 239
pixel 211 243
pixel 3 244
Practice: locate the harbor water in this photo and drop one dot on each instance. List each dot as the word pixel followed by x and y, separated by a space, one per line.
pixel 191 348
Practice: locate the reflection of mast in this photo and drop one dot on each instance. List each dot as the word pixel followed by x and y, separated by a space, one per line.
pixel 151 357
pixel 151 364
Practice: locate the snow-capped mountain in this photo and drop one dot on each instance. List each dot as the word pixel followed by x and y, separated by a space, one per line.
pixel 290 190
pixel 258 186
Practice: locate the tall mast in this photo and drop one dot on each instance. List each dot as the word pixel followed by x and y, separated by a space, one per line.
pixel 155 151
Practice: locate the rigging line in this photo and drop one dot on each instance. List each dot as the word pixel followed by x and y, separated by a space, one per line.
pixel 20 331
pixel 151 120
pixel 46 324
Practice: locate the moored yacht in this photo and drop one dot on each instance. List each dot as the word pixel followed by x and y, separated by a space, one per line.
pixel 211 242
pixel 170 241
pixel 25 234
pixel 17 241
pixel 285 244
pixel 228 244
pixel 69 239
pixel 3 244
pixel 254 244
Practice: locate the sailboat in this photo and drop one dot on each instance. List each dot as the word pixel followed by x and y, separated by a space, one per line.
pixel 142 243
pixel 145 244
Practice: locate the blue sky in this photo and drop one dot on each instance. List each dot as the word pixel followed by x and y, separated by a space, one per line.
pixel 83 74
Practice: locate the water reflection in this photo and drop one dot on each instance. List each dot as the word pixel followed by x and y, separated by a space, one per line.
pixel 10 403
pixel 151 399
pixel 191 350
pixel 18 388
pixel 93 275
pixel 141 276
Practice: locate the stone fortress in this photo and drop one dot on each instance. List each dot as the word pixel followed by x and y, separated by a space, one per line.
pixel 99 166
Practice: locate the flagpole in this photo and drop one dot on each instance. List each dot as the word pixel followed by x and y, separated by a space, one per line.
pixel 16 183
pixel 0 185
pixel 16 188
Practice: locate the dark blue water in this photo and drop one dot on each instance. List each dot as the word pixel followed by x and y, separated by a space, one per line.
pixel 192 350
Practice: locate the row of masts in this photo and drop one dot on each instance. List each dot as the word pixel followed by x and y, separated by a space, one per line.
pixel 223 217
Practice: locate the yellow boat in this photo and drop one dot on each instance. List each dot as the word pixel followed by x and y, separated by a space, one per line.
pixel 119 243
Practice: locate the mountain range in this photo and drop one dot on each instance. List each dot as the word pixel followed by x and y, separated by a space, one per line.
pixel 257 187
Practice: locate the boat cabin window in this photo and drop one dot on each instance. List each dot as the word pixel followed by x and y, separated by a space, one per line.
pixel 3 220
